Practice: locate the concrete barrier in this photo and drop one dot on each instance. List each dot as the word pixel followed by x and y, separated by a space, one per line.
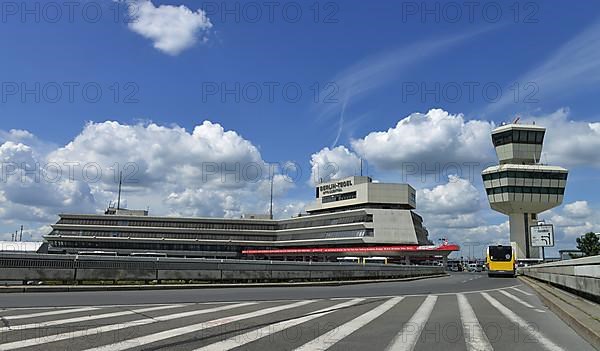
pixel 76 269
pixel 581 275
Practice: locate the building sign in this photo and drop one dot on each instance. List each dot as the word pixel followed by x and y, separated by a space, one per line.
pixel 542 235
pixel 333 188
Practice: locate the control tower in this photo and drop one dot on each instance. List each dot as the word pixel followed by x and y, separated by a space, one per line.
pixel 520 186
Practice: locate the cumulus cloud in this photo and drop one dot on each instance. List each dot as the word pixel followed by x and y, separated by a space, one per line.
pixel 434 137
pixel 172 29
pixel 209 156
pixel 578 209
pixel 457 196
pixel 335 163
pixel 569 142
pixel 209 171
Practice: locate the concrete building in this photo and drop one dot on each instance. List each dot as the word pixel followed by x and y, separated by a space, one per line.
pixel 520 186
pixel 350 216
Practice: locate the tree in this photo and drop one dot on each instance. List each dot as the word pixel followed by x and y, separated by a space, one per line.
pixel 589 244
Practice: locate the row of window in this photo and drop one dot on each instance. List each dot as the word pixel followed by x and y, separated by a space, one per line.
pixel 298 236
pixel 192 236
pixel 525 175
pixel 230 225
pixel 309 223
pixel 518 136
pixel 339 197
pixel 526 190
pixel 296 223
pixel 329 235
pixel 128 245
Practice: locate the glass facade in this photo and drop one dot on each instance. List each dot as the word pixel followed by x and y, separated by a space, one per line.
pixel 518 136
pixel 525 175
pixel 525 190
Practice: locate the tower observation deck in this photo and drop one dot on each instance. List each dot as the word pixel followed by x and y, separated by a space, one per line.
pixel 520 186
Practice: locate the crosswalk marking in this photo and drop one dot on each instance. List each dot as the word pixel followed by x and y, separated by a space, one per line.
pixel 522 291
pixel 544 341
pixel 254 335
pixel 475 338
pixel 144 340
pixel 50 313
pixel 85 318
pixel 406 339
pixel 112 327
pixel 326 340
pixel 267 320
pixel 514 298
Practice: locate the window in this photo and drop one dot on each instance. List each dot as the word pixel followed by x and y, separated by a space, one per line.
pixel 525 190
pixel 518 136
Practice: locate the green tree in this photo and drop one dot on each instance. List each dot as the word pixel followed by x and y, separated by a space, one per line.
pixel 589 244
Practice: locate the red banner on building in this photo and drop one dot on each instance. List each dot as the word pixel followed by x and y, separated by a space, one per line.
pixel 396 248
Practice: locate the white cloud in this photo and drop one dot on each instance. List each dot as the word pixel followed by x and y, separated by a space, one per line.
pixel 335 163
pixel 569 142
pixel 435 137
pixel 457 196
pixel 578 209
pixel 172 29
pixel 207 172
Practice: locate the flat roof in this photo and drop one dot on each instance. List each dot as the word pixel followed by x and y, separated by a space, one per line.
pixel 513 126
pixel 510 167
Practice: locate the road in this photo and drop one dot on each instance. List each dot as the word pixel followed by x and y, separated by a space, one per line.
pixel 465 311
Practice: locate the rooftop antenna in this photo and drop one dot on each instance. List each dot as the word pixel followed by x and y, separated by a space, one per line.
pixel 516 120
pixel 361 167
pixel 21 236
pixel 12 237
pixel 271 205
pixel 119 197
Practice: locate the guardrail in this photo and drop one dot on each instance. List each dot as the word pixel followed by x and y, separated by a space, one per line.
pixel 581 275
pixel 77 269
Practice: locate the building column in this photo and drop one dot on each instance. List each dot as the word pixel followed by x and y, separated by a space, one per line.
pixel 519 234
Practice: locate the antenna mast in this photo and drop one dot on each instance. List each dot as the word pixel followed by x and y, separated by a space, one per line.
pixel 119 197
pixel 271 206
pixel 21 236
pixel 361 167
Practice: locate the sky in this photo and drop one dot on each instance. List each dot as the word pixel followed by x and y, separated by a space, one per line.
pixel 198 103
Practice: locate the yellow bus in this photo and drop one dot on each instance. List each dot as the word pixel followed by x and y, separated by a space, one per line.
pixel 500 261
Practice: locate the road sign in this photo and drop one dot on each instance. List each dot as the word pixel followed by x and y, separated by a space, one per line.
pixel 542 235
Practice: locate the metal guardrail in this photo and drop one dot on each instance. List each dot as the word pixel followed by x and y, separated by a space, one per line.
pixel 581 275
pixel 74 268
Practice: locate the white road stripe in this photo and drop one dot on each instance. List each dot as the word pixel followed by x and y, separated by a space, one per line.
pixel 475 338
pixel 408 337
pixel 522 291
pixel 326 340
pixel 545 342
pixel 198 327
pixel 84 318
pixel 514 298
pixel 107 328
pixel 254 335
pixel 50 313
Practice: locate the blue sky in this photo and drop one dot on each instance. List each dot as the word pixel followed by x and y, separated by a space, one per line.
pixel 361 68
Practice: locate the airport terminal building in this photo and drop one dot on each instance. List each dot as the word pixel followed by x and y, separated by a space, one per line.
pixel 352 216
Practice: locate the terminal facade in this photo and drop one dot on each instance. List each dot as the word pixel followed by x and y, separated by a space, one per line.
pixel 520 186
pixel 351 216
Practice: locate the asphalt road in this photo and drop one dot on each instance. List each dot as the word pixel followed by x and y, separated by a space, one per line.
pixel 465 311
